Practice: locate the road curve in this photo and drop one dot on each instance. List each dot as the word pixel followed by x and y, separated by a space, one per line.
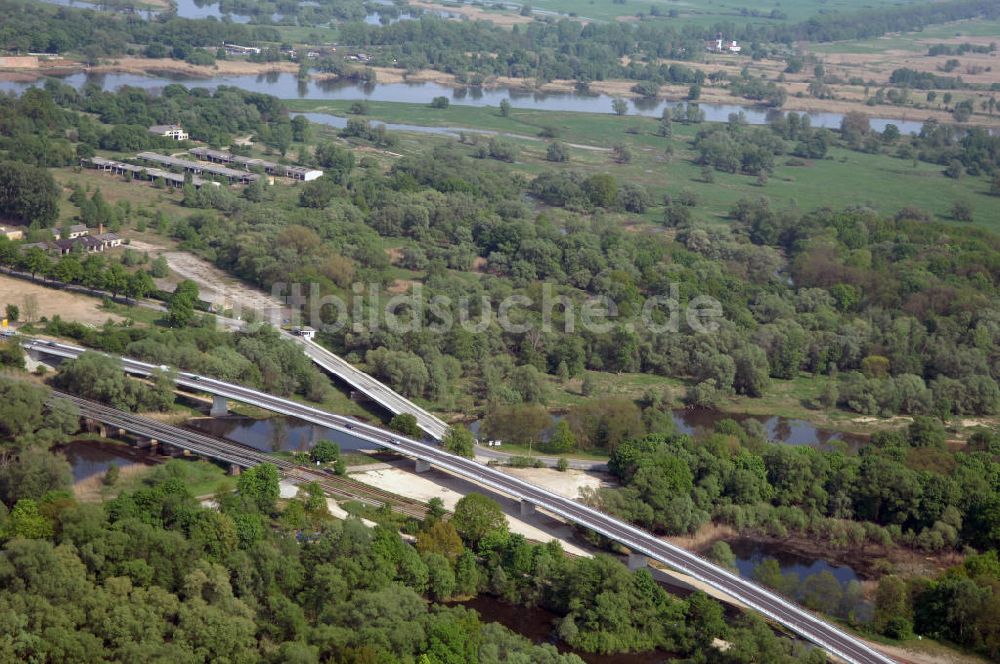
pixel 372 388
pixel 796 619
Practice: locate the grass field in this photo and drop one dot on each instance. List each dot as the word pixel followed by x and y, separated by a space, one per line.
pixel 843 179
pixel 703 12
pixel 913 41
pixel 139 194
pixel 202 478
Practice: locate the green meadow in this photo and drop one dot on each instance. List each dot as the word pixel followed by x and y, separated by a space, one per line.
pixel 843 178
pixel 704 11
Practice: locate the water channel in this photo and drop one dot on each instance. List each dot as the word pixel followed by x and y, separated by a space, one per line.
pixel 274 434
pixel 288 86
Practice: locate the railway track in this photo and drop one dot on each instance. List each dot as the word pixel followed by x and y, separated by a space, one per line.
pixel 832 638
pixel 241 455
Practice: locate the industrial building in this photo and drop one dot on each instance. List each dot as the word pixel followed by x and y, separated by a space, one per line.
pixel 199 167
pixel 143 172
pixel 251 163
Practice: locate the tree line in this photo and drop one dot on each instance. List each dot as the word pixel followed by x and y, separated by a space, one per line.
pixel 41 28
pixel 905 486
pixel 151 573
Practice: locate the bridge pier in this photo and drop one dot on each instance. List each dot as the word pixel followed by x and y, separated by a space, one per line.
pixel 142 442
pixel 93 426
pixel 527 508
pixel 636 561
pixel 220 406
pixel 235 470
pixel 314 434
pixel 422 466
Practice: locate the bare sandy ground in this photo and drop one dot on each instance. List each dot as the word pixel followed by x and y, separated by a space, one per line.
pixel 910 656
pixel 505 18
pixel 52 301
pixel 567 484
pixel 220 68
pixel 288 490
pixel 214 285
pixel 538 527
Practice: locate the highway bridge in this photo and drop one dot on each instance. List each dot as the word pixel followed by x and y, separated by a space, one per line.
pixel 373 389
pixel 796 619
pixel 395 403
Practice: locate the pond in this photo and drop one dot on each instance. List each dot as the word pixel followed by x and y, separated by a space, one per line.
pixel 791 431
pixel 538 625
pixel 819 584
pixel 100 6
pixel 274 434
pixel 701 421
pixel 196 9
pixel 750 554
pixel 288 86
pixel 92 457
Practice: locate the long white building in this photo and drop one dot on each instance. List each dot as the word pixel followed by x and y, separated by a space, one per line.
pixel 250 163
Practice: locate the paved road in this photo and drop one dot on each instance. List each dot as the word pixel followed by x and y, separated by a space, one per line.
pixel 796 619
pixel 372 388
pixel 392 401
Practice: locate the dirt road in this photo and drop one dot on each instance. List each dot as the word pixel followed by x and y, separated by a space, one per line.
pixel 215 286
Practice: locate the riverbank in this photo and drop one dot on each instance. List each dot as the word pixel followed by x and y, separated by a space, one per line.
pixel 26 71
pixel 853 102
pixel 717 95
pixel 870 561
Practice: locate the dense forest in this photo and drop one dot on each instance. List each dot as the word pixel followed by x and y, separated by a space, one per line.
pixel 866 302
pixel 896 315
pixel 541 50
pixel 874 314
pixel 41 28
pixel 152 574
pixel 39 124
pixel 905 486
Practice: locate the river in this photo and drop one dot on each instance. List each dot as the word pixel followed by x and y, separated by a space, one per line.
pixel 274 434
pixel 288 86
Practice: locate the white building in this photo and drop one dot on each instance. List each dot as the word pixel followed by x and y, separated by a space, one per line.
pixel 12 233
pixel 173 131
pixel 720 46
pixel 236 49
pixel 75 231
pixel 305 332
